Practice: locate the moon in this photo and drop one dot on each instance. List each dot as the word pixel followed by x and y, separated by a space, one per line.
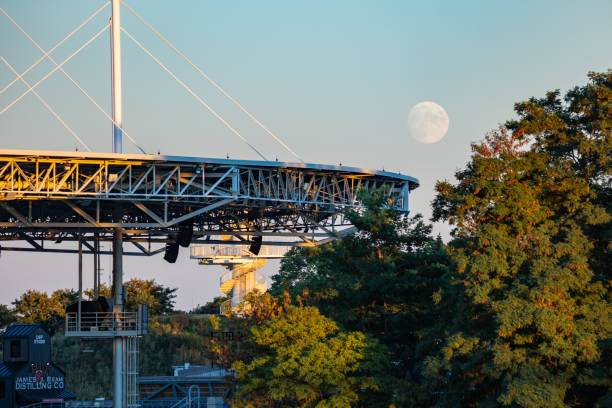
pixel 427 122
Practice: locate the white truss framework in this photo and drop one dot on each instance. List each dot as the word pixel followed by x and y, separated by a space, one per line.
pixel 54 195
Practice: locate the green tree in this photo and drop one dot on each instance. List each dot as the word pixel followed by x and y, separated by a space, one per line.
pixel 159 298
pixel 7 316
pixel 65 297
pixel 382 281
pixel 211 307
pixel 38 307
pixel 88 365
pixel 531 216
pixel 105 291
pixel 303 360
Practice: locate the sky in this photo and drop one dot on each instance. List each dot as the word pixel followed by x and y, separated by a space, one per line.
pixel 335 80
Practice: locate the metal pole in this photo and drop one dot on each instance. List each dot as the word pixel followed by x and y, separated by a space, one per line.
pixel 96 277
pixel 80 282
pixel 118 369
pixel 116 76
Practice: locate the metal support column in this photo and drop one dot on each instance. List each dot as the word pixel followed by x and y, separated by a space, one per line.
pixel 96 266
pixel 118 352
pixel 79 307
pixel 116 76
pixel 118 342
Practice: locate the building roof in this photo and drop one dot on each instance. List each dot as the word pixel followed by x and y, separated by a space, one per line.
pixel 20 330
pixel 169 379
pixel 5 371
pixel 200 371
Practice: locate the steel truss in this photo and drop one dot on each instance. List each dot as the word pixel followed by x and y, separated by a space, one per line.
pixel 67 196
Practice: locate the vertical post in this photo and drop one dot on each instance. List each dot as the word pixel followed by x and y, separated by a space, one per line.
pixel 118 352
pixel 116 76
pixel 96 268
pixel 406 193
pixel 80 282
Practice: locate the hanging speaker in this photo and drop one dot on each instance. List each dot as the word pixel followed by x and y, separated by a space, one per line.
pixel 255 244
pixel 172 250
pixel 185 234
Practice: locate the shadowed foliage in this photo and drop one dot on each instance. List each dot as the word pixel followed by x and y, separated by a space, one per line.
pixel 531 216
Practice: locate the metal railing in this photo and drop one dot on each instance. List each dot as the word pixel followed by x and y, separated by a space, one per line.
pixel 89 404
pixel 107 324
pixel 231 251
pixel 102 321
pixel 60 404
pixel 187 402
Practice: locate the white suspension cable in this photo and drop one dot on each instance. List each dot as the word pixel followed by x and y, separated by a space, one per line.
pixel 31 88
pixel 213 83
pixel 54 47
pixel 46 105
pixel 59 66
pixel 211 110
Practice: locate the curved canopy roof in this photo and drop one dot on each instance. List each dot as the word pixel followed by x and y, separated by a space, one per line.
pixel 156 158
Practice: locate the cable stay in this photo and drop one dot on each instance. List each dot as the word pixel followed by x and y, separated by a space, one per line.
pixel 59 67
pixel 47 53
pixel 46 105
pixel 198 98
pixel 212 82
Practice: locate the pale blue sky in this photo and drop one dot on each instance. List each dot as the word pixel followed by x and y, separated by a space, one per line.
pixel 334 79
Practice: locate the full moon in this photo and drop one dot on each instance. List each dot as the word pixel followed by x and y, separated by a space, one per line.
pixel 427 122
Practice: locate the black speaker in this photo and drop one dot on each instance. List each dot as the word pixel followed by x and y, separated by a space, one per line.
pixel 172 249
pixel 255 245
pixel 185 234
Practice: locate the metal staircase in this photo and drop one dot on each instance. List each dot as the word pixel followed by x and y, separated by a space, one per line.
pixel 242 276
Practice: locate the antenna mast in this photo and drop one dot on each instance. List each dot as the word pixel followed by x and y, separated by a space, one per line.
pixel 116 76
pixel 119 374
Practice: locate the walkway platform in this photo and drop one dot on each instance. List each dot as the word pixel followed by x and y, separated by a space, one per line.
pixel 98 325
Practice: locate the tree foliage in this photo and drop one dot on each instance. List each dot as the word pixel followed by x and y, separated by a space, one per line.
pixel 7 316
pixel 37 307
pixel 159 298
pixel 531 216
pixel 382 281
pixel 211 307
pixel 514 311
pixel 303 360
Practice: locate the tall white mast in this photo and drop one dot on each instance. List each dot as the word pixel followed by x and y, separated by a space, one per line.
pixel 119 375
pixel 116 76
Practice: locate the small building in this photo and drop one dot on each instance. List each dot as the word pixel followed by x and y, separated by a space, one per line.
pixel 27 374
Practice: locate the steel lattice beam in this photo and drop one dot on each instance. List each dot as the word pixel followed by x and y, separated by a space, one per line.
pixel 43 194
